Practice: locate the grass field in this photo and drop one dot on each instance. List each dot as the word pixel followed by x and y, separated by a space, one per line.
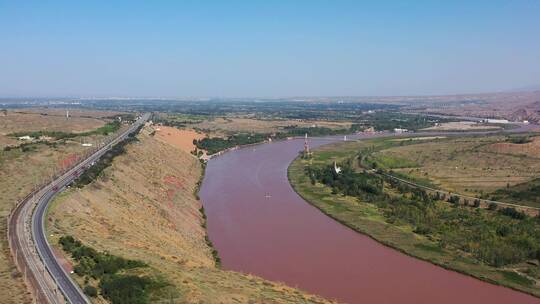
pixel 144 208
pixel 31 121
pixel 372 220
pixel 476 166
pixel 235 125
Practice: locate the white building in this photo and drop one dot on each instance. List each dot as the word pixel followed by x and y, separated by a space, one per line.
pixel 501 121
pixel 399 130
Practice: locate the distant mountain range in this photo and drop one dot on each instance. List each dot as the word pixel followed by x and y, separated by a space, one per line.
pixel 530 88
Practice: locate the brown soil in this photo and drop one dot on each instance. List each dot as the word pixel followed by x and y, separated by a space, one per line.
pixel 181 139
pixel 20 122
pixel 85 113
pixel 531 149
pixel 143 207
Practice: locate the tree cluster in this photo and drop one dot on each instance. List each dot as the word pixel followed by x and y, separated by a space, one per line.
pixel 497 238
pixel 115 285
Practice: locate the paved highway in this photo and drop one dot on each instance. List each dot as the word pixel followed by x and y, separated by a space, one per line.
pixel 28 240
pixel 33 254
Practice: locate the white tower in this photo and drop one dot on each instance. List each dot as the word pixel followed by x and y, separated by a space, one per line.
pixel 306 146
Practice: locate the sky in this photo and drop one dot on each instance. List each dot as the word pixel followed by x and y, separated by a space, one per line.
pixel 266 48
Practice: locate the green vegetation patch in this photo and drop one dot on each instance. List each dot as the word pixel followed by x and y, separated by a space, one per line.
pixel 388 161
pixel 496 238
pixel 519 140
pixel 517 278
pixel 107 129
pixel 483 243
pixel 216 144
pixel 525 193
pixel 105 161
pixel 115 284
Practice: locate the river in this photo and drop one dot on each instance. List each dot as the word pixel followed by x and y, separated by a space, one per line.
pixel 259 225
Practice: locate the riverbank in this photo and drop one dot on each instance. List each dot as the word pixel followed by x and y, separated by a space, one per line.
pixel 368 219
pixel 144 207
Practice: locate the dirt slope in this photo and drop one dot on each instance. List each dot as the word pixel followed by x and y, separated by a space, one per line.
pixel 179 138
pixel 19 172
pixel 143 207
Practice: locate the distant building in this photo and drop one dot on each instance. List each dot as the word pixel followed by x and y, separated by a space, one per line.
pixel 525 121
pixel 398 130
pixel 501 121
pixel 26 137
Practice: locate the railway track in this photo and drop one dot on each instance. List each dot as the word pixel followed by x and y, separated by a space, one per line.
pixel 30 249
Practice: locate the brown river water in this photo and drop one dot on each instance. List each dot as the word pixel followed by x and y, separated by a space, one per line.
pixel 259 225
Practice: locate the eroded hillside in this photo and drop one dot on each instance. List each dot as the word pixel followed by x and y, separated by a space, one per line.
pixel 143 207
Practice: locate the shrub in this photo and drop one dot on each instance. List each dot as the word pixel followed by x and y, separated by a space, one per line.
pixel 125 289
pixel 513 213
pixel 104 266
pixel 90 291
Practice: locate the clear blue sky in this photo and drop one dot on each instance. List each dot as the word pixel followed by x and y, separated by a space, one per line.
pixel 267 48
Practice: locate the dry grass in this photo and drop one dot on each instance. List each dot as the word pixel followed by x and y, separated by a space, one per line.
pixel 262 126
pixel 470 165
pixel 531 149
pixel 85 113
pixel 143 207
pixel 19 122
pixel 461 126
pixel 19 171
pixel 33 121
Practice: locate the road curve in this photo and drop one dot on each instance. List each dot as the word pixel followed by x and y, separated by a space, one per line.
pixel 32 253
